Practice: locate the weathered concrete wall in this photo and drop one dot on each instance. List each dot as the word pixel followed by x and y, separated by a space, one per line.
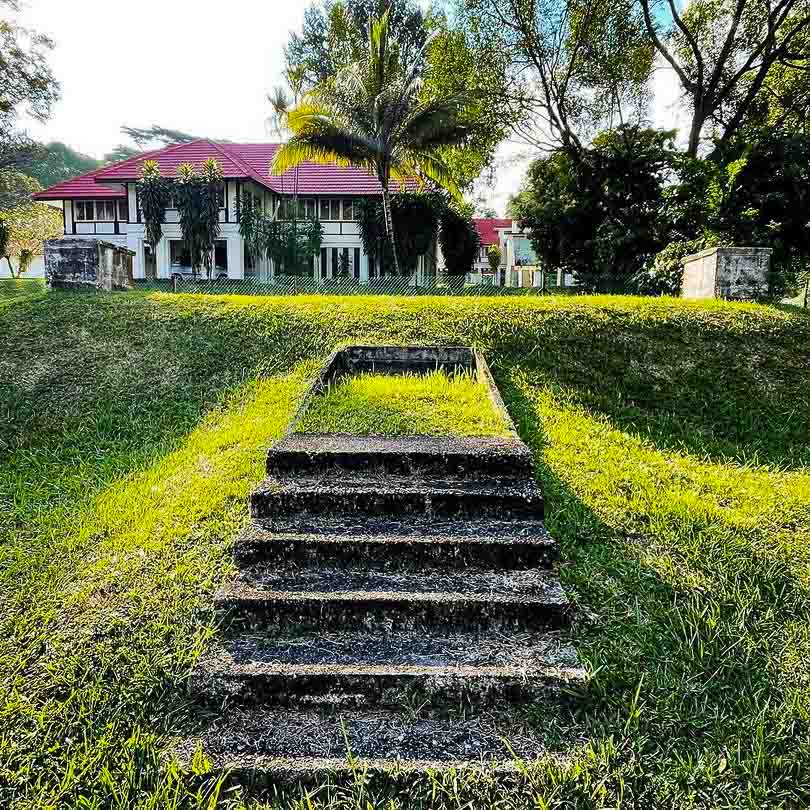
pixel 71 263
pixel 731 273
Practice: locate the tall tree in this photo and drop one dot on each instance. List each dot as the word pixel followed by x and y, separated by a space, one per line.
pixel 196 197
pixel 26 85
pixel 26 227
pixel 335 34
pixel 723 53
pixel 599 215
pixel 373 114
pixel 577 66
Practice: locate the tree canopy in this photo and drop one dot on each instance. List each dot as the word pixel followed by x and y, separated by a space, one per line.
pixel 335 35
pixel 27 85
pixel 61 162
pixel 374 114
pixel 599 215
pixel 726 54
pixel 26 227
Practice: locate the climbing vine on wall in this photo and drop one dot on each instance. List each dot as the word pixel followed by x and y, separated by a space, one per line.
pixel 196 197
pixel 154 195
pixel 416 218
pixel 291 245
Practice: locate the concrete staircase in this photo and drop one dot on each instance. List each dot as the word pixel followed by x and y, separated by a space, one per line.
pixel 397 600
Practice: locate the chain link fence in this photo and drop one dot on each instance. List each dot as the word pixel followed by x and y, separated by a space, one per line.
pixel 298 285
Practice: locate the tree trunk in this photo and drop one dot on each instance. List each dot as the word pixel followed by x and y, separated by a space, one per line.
pixel 806 290
pixel 389 226
pixel 698 119
pixel 10 266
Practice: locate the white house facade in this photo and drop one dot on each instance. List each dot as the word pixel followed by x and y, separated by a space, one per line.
pixel 103 204
pixel 519 265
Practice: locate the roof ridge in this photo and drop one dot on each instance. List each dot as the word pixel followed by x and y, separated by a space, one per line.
pixel 152 152
pixel 251 172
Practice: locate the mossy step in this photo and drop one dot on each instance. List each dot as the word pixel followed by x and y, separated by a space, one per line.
pixel 264 596
pixel 363 670
pixel 396 496
pixel 261 749
pixel 401 455
pixel 399 545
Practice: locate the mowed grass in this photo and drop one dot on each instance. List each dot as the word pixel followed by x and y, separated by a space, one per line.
pixel 671 440
pixel 432 404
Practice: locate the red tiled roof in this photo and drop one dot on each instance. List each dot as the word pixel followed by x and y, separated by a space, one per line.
pixel 313 178
pixel 83 186
pixel 488 229
pixel 251 160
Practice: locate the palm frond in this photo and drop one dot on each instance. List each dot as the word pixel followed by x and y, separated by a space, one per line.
pixel 433 168
pixel 324 147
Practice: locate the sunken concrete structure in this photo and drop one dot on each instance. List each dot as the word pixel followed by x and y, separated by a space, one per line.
pixel 396 599
pixel 87 263
pixel 731 273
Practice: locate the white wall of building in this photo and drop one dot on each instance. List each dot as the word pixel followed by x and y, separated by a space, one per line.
pixel 36 269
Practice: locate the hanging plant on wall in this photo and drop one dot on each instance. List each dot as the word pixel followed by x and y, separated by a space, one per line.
pixel 289 245
pixel 154 195
pixel 196 199
pixel 416 218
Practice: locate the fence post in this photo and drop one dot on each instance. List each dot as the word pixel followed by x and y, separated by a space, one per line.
pixel 174 284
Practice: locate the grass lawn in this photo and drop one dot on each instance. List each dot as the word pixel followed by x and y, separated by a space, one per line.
pixel 672 440
pixel 434 404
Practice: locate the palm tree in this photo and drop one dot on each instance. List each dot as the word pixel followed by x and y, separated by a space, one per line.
pixel 373 114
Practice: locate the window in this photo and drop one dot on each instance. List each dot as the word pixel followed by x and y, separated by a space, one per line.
pixel 179 257
pixel 107 211
pixel 84 211
pixel 220 258
pixel 347 210
pixel 221 195
pixel 324 209
pixel 307 209
pixel 334 209
pixel 101 210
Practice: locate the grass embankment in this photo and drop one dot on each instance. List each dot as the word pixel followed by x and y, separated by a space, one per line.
pixel 433 404
pixel 672 443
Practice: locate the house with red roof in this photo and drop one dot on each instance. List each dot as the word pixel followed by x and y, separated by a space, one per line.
pixel 519 266
pixel 103 204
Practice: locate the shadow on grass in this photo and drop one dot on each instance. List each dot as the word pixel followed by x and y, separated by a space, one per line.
pixel 694 634
pixel 733 393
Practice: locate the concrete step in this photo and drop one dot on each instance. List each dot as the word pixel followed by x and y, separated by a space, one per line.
pixel 265 749
pixel 396 496
pixel 384 544
pixel 401 455
pixel 350 670
pixel 445 601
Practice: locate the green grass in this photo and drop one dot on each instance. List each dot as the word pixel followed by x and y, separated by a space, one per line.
pixel 433 404
pixel 671 439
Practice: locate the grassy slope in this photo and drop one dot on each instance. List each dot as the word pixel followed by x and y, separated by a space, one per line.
pixel 671 438
pixel 435 404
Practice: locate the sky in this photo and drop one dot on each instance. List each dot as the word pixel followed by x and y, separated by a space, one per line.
pixel 198 66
